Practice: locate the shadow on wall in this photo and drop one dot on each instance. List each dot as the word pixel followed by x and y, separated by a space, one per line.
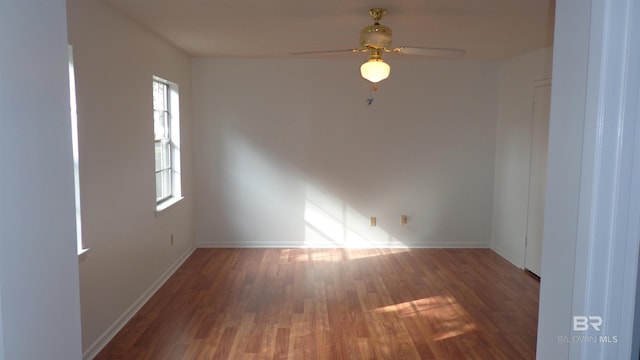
pixel 329 222
pixel 267 202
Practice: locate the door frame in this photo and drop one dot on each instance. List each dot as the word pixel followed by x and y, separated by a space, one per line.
pixel 534 85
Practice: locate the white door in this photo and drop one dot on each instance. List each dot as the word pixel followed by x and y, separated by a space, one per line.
pixel 537 177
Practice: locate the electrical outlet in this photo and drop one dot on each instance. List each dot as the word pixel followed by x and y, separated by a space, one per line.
pixel 373 221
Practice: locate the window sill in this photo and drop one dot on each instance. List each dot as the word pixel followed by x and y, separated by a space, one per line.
pixel 168 204
pixel 83 253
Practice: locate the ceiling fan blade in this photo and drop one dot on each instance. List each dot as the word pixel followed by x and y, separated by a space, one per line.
pixel 435 52
pixel 324 51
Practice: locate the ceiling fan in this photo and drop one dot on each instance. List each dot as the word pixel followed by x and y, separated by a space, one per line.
pixel 376 39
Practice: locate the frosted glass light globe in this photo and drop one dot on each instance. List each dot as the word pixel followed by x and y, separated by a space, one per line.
pixel 375 70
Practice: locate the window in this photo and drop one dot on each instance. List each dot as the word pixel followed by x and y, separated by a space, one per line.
pixel 167 142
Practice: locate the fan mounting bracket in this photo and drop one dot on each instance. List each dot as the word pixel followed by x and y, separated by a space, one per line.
pixel 377 14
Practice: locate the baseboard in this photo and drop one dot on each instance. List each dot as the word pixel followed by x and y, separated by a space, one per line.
pixel 93 350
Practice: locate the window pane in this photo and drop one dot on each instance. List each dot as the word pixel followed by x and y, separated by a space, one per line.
pixel 159 96
pixel 160 125
pixel 166 182
pixel 163 184
pixel 166 155
pixel 163 155
pixel 158 156
pixel 158 186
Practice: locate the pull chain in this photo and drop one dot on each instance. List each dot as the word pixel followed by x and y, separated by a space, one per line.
pixel 370 99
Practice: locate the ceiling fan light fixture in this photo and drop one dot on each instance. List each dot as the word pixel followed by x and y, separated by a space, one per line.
pixel 376 36
pixel 375 70
pixel 376 40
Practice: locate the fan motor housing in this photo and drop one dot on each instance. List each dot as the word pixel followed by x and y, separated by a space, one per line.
pixel 376 36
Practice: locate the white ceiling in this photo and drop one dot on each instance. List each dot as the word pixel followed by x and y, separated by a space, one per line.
pixel 486 29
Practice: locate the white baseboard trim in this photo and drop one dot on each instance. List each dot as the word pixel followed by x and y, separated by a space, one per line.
pixel 457 245
pixel 93 350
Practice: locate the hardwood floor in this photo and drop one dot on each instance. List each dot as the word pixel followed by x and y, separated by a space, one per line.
pixel 337 304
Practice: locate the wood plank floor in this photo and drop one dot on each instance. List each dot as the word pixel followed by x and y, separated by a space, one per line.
pixel 337 304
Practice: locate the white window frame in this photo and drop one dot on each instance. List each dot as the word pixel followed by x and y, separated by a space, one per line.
pixel 173 141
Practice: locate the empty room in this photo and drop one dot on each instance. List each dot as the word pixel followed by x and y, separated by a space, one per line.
pixel 243 180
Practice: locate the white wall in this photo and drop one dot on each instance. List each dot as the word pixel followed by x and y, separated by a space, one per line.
pixel 288 152
pixel 39 305
pixel 513 145
pixel 115 60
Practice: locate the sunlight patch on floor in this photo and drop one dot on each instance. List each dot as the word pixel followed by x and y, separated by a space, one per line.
pixel 335 254
pixel 321 255
pixel 354 254
pixel 447 318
